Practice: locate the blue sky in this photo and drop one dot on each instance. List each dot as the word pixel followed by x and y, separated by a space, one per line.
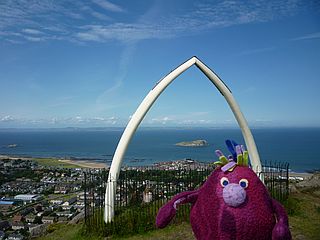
pixel 90 63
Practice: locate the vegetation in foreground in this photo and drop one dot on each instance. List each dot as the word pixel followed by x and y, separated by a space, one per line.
pixel 303 209
pixel 304 215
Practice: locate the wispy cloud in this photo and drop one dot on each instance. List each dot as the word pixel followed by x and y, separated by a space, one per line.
pixel 125 32
pixel 107 95
pixel 160 120
pixel 92 21
pixel 61 121
pixel 108 6
pixel 32 31
pixel 315 35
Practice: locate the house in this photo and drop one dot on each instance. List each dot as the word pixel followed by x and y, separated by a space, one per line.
pixel 81 196
pixel 15 236
pixel 70 201
pixel 30 218
pixel 17 218
pixel 67 204
pixel 17 225
pixel 62 188
pixel 89 196
pixel 56 201
pixel 66 214
pixel 49 219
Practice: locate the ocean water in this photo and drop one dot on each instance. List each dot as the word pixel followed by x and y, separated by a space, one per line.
pixel 297 146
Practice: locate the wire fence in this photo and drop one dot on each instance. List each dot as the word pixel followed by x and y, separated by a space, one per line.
pixel 141 191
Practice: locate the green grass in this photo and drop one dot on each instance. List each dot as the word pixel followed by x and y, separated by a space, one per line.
pixel 51 162
pixel 66 231
pixel 305 218
pixel 181 231
pixel 74 232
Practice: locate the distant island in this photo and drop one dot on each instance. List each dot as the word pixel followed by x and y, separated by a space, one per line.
pixel 195 143
pixel 12 145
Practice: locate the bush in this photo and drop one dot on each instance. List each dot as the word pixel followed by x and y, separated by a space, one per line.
pixel 52 227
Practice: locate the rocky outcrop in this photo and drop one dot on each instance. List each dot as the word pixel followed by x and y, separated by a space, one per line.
pixel 195 143
pixel 310 184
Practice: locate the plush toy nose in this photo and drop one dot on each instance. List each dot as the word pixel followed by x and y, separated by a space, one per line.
pixel 234 195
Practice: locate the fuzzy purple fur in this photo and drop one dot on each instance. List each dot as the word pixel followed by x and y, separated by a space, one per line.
pixel 230 211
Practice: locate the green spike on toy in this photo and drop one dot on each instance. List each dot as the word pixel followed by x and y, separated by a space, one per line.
pixel 223 160
pixel 218 163
pixel 245 158
pixel 240 159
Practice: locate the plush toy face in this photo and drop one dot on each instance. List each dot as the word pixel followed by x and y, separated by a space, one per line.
pixel 237 187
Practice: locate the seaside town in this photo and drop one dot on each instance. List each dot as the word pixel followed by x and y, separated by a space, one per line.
pixel 33 196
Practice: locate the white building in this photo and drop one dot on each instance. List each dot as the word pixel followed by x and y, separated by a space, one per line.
pixel 28 197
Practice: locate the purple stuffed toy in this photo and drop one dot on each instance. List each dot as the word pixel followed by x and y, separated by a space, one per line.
pixel 232 204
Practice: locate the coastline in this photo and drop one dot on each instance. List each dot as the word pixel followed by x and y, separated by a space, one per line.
pixel 99 165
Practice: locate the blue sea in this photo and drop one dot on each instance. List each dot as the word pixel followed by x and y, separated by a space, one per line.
pixel 297 146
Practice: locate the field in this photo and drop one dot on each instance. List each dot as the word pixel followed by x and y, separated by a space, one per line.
pixel 51 162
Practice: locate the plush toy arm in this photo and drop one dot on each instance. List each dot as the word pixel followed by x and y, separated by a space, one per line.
pixel 281 229
pixel 168 211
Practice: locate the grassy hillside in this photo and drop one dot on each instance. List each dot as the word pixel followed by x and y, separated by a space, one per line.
pixel 304 215
pixel 304 218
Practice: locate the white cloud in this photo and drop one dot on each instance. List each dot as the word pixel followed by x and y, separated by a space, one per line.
pixel 7 118
pixel 75 121
pixel 160 120
pixel 107 5
pixel 196 122
pixel 125 32
pixel 31 15
pixel 32 31
pixel 315 35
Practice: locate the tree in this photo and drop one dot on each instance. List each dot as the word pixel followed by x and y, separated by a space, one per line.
pixel 37 220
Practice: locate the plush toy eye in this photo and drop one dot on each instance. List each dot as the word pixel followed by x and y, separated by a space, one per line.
pixel 224 181
pixel 243 183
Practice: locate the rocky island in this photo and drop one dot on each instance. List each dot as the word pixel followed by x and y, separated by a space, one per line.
pixel 195 143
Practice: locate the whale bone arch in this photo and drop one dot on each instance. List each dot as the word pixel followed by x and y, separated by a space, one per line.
pixel 144 107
